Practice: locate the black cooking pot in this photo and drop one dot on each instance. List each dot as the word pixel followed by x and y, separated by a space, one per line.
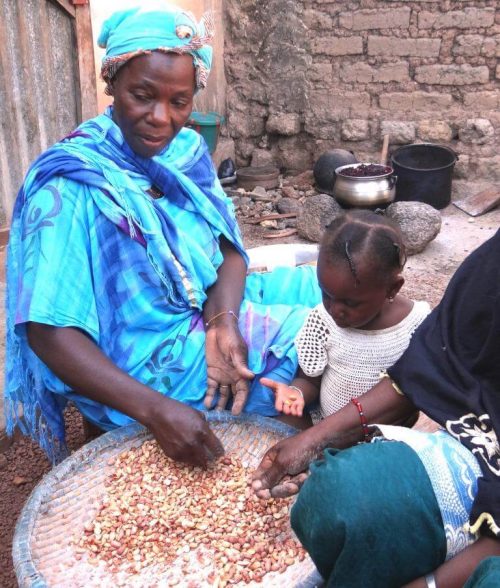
pixel 325 166
pixel 424 173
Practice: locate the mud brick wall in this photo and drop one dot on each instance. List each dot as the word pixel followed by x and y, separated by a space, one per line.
pixel 305 76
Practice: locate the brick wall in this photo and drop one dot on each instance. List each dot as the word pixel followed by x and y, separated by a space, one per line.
pixel 305 76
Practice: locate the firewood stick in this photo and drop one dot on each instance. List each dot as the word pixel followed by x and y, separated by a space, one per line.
pixel 256 221
pixel 278 234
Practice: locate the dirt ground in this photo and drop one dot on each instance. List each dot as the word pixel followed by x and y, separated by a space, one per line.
pixel 22 464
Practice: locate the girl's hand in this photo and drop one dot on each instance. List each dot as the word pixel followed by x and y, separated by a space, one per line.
pixel 288 400
pixel 227 371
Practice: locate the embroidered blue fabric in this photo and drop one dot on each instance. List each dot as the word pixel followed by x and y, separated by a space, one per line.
pixel 453 471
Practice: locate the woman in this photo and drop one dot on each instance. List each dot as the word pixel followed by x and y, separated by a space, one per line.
pixel 422 510
pixel 126 269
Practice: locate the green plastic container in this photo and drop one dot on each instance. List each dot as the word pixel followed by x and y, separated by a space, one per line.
pixel 208 125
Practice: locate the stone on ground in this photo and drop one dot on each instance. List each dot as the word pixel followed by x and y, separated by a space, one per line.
pixel 420 223
pixel 318 211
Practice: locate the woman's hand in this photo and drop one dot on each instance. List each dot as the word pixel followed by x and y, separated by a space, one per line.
pixel 183 433
pixel 288 400
pixel 227 372
pixel 225 350
pixel 282 469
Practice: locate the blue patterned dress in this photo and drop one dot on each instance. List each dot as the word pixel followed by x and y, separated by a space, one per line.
pixel 91 249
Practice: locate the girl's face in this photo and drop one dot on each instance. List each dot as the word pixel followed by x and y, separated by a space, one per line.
pixel 350 302
pixel 153 98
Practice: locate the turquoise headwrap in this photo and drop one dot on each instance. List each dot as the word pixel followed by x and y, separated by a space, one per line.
pixel 156 26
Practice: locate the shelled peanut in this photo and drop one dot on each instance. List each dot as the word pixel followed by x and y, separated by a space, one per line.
pixel 159 511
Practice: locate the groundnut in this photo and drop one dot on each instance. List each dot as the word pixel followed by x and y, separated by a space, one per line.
pixel 161 511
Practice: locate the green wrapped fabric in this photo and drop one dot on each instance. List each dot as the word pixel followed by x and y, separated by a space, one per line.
pixel 368 516
pixel 486 575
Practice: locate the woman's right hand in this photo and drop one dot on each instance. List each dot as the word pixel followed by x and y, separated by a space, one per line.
pixel 183 433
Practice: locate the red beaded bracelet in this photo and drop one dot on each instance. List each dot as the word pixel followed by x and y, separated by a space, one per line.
pixel 362 418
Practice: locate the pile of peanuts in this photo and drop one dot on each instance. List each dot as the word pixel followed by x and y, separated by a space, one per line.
pixel 159 512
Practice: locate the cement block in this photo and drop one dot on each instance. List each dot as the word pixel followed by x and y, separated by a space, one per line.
pixel 415 101
pixel 361 20
pixel 452 75
pixel 437 131
pixel 400 132
pixel 338 45
pixel 461 19
pixel 394 46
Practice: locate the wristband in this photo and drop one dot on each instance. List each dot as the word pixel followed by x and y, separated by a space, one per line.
pixel 211 320
pixel 430 580
pixel 297 390
pixel 362 418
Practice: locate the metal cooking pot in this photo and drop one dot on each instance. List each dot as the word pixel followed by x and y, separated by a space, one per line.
pixel 324 168
pixel 364 191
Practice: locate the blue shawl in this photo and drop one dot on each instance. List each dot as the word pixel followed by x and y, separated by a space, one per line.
pixel 96 155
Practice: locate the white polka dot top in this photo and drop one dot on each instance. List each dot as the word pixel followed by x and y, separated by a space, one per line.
pixel 350 360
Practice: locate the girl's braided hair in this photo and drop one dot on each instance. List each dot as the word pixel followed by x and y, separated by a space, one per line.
pixel 363 234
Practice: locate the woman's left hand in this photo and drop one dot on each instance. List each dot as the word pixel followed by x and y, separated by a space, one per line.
pixel 227 371
pixel 283 468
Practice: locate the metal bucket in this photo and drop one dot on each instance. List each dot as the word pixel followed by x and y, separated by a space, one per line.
pixel 424 173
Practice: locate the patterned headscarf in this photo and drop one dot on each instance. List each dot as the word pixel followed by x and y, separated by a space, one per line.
pixel 155 25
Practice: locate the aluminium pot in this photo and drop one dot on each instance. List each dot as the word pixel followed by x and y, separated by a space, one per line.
pixel 364 191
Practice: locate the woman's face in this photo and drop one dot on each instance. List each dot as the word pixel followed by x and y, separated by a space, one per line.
pixel 350 303
pixel 153 98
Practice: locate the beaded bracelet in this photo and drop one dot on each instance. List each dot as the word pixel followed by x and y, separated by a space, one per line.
pixel 362 418
pixel 211 320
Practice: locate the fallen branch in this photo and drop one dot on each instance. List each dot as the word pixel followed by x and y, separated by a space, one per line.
pixel 278 234
pixel 256 221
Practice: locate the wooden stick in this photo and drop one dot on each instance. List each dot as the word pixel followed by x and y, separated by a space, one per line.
pixel 278 234
pixel 256 221
pixel 385 149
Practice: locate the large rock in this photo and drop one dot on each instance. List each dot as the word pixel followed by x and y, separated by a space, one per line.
pixel 420 223
pixel 318 211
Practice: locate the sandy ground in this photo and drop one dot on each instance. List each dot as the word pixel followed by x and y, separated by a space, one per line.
pixel 427 274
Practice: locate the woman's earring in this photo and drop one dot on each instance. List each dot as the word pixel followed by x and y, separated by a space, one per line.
pixel 391 299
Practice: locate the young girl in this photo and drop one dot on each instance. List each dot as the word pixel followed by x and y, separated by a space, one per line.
pixel 363 324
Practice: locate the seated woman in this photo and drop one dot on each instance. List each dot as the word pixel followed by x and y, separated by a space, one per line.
pixel 126 269
pixel 410 508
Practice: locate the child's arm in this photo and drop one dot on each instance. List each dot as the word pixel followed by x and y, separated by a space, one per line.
pixel 291 398
pixel 308 385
